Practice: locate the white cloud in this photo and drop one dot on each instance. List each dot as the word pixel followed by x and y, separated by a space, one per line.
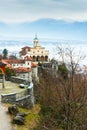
pixel 29 10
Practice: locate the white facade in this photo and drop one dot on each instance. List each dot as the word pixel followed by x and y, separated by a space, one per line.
pixel 37 53
pixel 26 64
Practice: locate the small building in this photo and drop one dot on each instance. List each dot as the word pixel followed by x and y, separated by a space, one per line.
pixel 24 68
pixel 15 63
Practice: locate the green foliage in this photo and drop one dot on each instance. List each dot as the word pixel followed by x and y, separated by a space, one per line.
pixel 62 100
pixel 9 73
pixel 5 53
pixel 53 61
pixel 63 70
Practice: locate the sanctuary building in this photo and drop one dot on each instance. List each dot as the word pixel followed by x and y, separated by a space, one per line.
pixel 37 53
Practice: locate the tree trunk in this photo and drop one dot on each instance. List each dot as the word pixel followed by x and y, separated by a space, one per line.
pixel 3 81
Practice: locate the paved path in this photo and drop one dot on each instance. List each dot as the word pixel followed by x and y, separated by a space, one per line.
pixel 5 122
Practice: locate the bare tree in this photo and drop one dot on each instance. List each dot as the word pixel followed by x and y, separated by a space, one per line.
pixel 63 100
pixel 73 90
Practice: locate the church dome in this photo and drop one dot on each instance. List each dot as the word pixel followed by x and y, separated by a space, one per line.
pixel 35 39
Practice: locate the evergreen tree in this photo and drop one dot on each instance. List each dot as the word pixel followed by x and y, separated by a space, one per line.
pixel 5 53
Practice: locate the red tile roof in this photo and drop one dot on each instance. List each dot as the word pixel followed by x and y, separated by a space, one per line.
pixel 22 69
pixel 18 61
pixel 4 61
pixel 23 51
pixel 7 64
pixel 27 58
pixel 26 47
pixel 34 64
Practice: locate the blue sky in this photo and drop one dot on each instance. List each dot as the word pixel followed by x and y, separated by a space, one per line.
pixel 53 19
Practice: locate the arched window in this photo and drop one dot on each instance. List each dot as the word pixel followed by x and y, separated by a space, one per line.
pixel 38 58
pixel 46 58
pixel 42 58
pixel 34 58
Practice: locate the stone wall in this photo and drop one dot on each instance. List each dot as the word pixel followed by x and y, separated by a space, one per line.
pixel 18 80
pixel 23 99
pixel 22 94
pixel 25 102
pixel 8 98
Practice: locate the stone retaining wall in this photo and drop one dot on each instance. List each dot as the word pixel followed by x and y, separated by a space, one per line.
pixel 22 101
pixel 22 94
pixel 18 80
pixel 8 98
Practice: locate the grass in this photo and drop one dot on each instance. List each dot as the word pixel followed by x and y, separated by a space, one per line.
pixel 10 87
pixel 31 120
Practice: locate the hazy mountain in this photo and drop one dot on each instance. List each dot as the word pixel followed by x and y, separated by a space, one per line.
pixel 46 28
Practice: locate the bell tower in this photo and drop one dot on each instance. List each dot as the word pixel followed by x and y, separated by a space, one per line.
pixel 36 41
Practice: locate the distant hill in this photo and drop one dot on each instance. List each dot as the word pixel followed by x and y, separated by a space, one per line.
pixel 46 28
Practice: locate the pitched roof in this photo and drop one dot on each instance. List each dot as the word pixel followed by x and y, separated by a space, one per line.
pixel 26 47
pixel 15 61
pixel 2 64
pixel 22 70
pixel 24 51
pixel 34 64
pixel 28 58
